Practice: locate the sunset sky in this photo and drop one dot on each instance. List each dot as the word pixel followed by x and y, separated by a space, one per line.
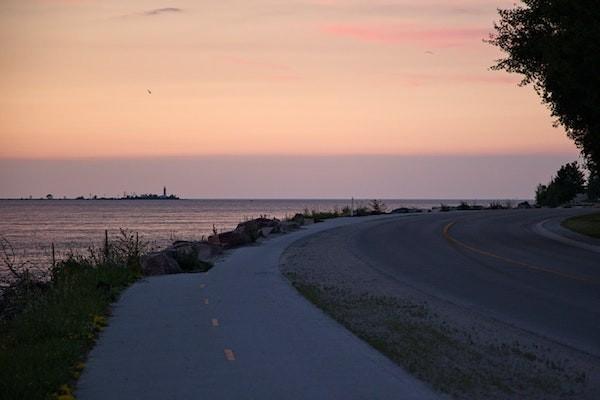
pixel 301 78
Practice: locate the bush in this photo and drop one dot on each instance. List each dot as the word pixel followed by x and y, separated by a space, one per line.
pixel 377 207
pixel 42 344
pixel 322 215
pixel 362 212
pixel 48 325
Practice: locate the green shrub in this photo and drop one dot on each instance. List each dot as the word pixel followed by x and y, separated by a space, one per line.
pixel 41 346
pixel 48 325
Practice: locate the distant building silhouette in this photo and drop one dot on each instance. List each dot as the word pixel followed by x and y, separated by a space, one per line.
pixel 164 191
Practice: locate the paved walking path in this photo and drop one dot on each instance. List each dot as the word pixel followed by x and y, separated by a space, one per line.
pixel 238 332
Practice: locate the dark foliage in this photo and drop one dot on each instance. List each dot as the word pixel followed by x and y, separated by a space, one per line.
pixel 594 188
pixel 555 45
pixel 568 182
pixel 377 207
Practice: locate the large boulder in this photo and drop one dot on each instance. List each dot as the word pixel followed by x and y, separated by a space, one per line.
pixel 266 231
pixel 299 219
pixel 266 222
pixel 159 263
pixel 288 226
pixel 214 240
pixel 193 256
pixel 245 233
pixel 250 229
pixel 258 227
pixel 234 239
pixel 204 251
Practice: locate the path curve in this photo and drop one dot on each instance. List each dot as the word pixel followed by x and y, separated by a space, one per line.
pixel 238 332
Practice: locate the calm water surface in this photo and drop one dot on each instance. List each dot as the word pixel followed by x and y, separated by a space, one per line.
pixel 75 225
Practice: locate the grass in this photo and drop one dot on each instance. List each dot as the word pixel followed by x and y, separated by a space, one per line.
pixel 433 351
pixel 588 225
pixel 359 211
pixel 47 328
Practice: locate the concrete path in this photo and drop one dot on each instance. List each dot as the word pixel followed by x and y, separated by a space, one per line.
pixel 238 332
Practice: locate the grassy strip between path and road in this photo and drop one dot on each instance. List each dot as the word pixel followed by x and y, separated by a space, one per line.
pixel 588 224
pixel 452 361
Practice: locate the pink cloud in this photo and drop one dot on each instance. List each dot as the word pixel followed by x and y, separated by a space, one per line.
pixel 440 37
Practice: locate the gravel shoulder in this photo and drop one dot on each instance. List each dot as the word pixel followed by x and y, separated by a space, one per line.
pixel 457 350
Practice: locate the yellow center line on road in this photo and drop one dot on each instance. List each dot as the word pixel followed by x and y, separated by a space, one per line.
pixel 229 355
pixel 215 322
pixel 451 239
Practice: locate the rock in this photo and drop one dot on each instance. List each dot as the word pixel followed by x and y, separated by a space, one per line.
pixel 214 240
pixel 266 231
pixel 234 239
pixel 246 232
pixel 289 226
pixel 299 219
pixel 264 222
pixel 250 229
pixel 269 223
pixel 258 227
pixel 207 251
pixel 204 251
pixel 159 263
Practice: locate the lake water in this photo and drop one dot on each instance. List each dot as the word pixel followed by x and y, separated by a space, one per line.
pixel 31 226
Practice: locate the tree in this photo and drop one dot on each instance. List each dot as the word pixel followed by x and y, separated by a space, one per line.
pixel 593 188
pixel 568 182
pixel 555 45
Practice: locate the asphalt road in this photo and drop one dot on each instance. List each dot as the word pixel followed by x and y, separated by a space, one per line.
pixel 518 266
pixel 239 332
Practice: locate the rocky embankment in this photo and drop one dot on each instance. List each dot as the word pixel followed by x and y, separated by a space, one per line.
pixel 198 256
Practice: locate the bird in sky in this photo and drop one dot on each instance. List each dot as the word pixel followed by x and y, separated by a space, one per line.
pixel 429 52
pixel 149 91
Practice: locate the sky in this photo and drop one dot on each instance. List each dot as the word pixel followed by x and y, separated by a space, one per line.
pixel 232 84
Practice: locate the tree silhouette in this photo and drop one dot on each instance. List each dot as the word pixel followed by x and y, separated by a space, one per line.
pixel 555 45
pixel 568 182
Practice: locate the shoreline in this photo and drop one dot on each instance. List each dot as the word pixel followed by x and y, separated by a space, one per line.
pixel 224 259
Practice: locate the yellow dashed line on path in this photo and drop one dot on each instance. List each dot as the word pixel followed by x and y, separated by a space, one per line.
pixel 450 238
pixel 215 322
pixel 229 355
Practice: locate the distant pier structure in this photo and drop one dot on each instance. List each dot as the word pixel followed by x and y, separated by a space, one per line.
pixel 152 196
